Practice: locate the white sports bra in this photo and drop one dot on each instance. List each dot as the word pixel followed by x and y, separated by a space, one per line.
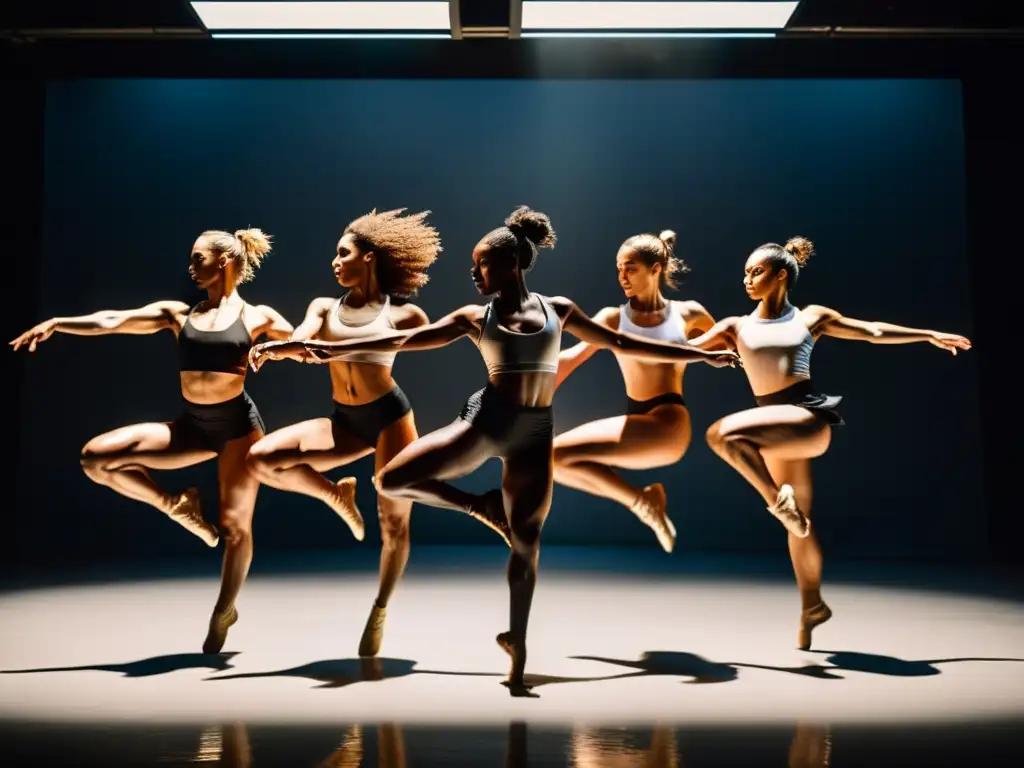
pixel 774 351
pixel 670 330
pixel 344 323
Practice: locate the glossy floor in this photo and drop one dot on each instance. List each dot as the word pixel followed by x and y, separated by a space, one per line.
pixel 919 665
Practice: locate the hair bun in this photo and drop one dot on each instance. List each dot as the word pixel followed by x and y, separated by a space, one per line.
pixel 254 242
pixel 800 248
pixel 668 237
pixel 534 225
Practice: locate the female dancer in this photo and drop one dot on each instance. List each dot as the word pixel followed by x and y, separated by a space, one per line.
pixel 218 418
pixel 771 445
pixel 519 335
pixel 655 431
pixel 379 255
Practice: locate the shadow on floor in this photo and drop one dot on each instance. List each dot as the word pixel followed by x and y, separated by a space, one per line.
pixel 155 665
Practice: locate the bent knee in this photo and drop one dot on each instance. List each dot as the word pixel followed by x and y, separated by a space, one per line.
pixel 392 481
pixel 526 538
pixel 235 528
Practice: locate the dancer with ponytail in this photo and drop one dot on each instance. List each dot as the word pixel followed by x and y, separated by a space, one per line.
pixel 772 445
pixel 519 335
pixel 655 431
pixel 218 420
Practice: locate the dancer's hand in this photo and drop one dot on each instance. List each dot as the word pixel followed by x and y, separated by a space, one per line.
pixel 951 342
pixel 724 358
pixel 34 336
pixel 269 350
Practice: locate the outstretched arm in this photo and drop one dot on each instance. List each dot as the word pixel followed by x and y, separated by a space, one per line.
pixel 823 321
pixel 722 335
pixel 586 330
pixel 144 320
pixel 572 358
pixel 432 336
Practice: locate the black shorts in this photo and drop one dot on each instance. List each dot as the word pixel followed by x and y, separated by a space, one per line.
pixel 367 421
pixel 640 407
pixel 514 429
pixel 213 426
pixel 804 395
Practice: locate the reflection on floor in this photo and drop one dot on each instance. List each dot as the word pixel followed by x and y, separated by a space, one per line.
pixel 517 745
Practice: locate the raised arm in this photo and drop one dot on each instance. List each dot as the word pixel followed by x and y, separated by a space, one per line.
pixel 586 330
pixel 145 320
pixel 572 358
pixel 824 321
pixel 449 328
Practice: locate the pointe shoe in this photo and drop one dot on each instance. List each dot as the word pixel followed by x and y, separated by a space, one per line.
pixel 345 505
pixel 809 619
pixel 489 509
pixel 651 507
pixel 187 512
pixel 218 633
pixel 787 513
pixel 373 633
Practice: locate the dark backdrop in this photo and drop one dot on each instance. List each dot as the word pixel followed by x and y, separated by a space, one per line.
pixel 871 170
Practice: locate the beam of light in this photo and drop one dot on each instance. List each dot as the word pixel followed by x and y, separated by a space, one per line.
pixel 653 35
pixel 267 16
pixel 330 36
pixel 599 14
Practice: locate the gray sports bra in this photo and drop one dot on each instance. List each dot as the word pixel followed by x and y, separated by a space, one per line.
pixel 505 351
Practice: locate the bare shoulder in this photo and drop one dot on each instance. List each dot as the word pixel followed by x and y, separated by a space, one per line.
pixel 608 317
pixel 814 314
pixel 320 305
pixel 689 309
pixel 174 312
pixel 408 316
pixel 563 305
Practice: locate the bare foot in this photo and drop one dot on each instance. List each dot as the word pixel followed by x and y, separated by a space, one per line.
pixel 187 512
pixel 218 634
pixel 344 503
pixel 651 507
pixel 489 509
pixel 787 512
pixel 809 619
pixel 515 683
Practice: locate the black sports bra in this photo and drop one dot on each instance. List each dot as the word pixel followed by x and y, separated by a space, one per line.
pixel 224 351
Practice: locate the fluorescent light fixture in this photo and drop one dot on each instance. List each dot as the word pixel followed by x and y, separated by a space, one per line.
pixel 652 35
pixel 598 14
pixel 324 16
pixel 330 36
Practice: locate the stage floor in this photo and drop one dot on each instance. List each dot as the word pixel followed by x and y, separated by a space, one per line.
pixel 619 640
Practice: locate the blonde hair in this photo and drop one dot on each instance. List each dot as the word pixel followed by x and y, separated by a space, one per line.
pixel 247 248
pixel 659 249
pixel 405 247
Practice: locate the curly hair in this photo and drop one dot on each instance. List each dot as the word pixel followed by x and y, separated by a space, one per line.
pixel 405 246
pixel 659 249
pixel 792 256
pixel 524 232
pixel 247 247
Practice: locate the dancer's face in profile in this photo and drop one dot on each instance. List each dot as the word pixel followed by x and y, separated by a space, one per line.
pixel 350 263
pixel 205 266
pixel 636 278
pixel 760 278
pixel 491 270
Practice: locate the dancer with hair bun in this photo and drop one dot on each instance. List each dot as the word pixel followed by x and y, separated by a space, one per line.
pixel 218 420
pixel 772 445
pixel 655 431
pixel 519 335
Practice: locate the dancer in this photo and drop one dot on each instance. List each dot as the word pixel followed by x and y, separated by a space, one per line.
pixel 218 418
pixel 655 431
pixel 379 255
pixel 519 335
pixel 772 445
